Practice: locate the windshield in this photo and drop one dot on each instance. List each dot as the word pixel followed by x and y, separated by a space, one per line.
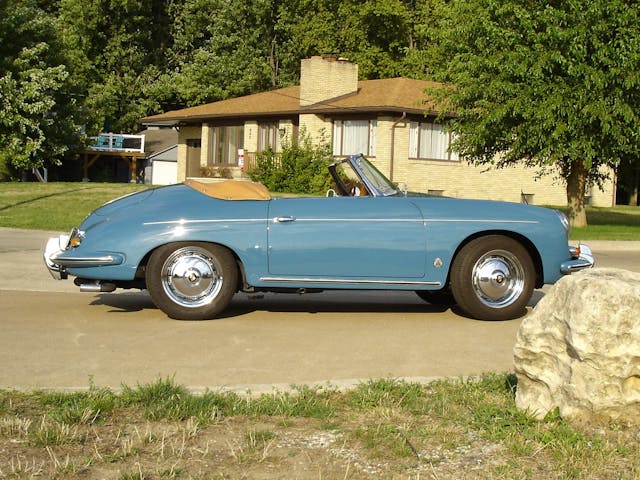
pixel 373 175
pixel 356 176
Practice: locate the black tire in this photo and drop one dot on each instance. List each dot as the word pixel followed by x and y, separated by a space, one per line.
pixel 492 278
pixel 443 298
pixel 191 280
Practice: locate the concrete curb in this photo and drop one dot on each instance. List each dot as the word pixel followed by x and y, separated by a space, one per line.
pixel 255 390
pixel 610 245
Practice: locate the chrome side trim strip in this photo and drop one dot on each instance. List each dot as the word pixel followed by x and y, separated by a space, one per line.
pixel 225 220
pixel 406 220
pixel 326 220
pixel 349 220
pixel 347 282
pixel 453 220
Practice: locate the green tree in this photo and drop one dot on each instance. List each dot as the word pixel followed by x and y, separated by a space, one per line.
pixel 119 51
pixel 545 83
pixel 385 38
pixel 224 49
pixel 38 113
pixel 228 48
pixel 376 34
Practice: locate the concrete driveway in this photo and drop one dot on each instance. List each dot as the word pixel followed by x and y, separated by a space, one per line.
pixel 54 337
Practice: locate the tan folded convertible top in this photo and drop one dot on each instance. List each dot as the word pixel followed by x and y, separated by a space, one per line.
pixel 231 189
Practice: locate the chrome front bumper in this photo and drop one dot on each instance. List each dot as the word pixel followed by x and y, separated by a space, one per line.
pixel 57 263
pixel 582 258
pixel 54 246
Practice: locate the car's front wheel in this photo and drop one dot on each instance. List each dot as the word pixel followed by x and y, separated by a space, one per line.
pixel 492 278
pixel 191 281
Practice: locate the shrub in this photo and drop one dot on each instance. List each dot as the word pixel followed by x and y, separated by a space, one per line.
pixel 299 168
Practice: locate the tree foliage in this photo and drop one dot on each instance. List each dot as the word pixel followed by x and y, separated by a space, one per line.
pixel 104 64
pixel 224 49
pixel 119 53
pixel 552 84
pixel 547 83
pixel 38 111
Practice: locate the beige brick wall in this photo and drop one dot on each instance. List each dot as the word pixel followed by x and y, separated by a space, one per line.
pixel 206 144
pixel 250 136
pixel 461 180
pixel 184 134
pixel 454 179
pixel 286 131
pixel 391 131
pixel 317 127
pixel 324 78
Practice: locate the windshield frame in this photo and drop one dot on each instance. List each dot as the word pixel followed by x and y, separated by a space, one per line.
pixel 375 182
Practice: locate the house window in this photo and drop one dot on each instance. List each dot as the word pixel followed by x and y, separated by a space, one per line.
pixel 354 136
pixel 430 141
pixel 269 136
pixel 225 142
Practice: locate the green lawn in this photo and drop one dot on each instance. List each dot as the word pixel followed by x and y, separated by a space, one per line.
pixel 60 206
pixel 615 223
pixel 55 206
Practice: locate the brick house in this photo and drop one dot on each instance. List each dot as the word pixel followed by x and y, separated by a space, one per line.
pixel 384 119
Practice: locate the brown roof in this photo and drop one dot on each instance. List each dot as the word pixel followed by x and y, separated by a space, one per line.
pixel 386 95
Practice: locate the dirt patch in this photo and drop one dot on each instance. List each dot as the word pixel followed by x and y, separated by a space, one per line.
pixel 232 448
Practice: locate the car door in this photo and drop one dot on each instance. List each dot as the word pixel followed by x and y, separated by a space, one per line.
pixel 346 237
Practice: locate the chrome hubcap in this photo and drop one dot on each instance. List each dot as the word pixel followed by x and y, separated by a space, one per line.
pixel 498 278
pixel 192 277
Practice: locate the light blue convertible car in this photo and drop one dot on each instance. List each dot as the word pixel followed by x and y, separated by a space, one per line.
pixel 194 245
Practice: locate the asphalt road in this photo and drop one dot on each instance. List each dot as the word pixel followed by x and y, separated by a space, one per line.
pixel 52 336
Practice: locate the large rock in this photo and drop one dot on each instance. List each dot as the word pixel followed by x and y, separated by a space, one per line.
pixel 579 350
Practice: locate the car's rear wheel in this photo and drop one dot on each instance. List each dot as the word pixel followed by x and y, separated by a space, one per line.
pixel 191 281
pixel 492 278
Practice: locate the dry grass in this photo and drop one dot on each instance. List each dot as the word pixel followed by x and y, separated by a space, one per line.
pixel 382 429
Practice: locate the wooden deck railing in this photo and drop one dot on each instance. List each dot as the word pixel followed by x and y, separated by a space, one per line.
pixel 116 142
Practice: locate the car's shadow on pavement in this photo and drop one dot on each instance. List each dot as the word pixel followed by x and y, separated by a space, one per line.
pixel 329 301
pixel 332 302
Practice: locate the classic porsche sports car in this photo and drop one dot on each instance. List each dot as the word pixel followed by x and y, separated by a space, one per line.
pixel 194 245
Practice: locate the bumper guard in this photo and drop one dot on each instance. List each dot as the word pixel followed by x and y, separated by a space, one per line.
pixel 54 246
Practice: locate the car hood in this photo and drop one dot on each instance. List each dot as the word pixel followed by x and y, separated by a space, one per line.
pixel 443 208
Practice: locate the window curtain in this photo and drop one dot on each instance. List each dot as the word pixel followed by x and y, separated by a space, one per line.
pixel 225 142
pixel 429 141
pixel 354 136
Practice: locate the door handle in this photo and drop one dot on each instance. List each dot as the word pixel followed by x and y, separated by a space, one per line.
pixel 284 219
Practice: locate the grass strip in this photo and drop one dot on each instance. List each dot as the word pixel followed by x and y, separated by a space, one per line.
pixel 384 428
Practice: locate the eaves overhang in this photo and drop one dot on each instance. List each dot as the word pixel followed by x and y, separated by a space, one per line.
pixel 387 96
pixel 329 111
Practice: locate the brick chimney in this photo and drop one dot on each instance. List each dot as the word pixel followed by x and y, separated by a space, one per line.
pixel 324 78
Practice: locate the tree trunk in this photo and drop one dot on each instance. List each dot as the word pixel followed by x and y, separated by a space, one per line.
pixel 635 183
pixel 576 186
